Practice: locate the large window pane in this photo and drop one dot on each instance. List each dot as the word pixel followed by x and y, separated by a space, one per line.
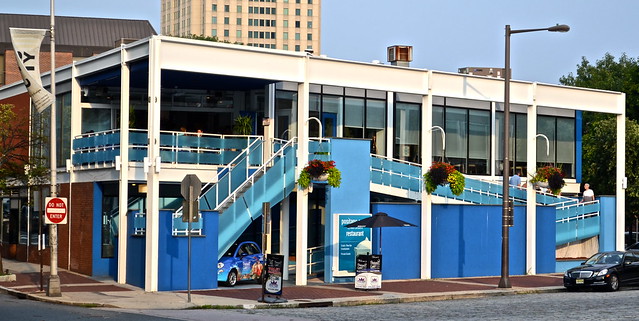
pixel 457 137
pixel 354 117
pixel 332 110
pixel 285 107
pixel 546 126
pixel 478 141
pixel 566 145
pixel 376 125
pixel 407 130
pixel 438 120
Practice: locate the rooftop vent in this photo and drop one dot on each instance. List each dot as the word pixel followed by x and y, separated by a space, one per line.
pixel 400 55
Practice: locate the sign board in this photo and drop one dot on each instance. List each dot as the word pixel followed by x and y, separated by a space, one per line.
pixel 273 274
pixel 351 242
pixel 190 189
pixel 55 210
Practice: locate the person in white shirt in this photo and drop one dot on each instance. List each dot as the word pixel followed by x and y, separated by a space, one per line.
pixel 588 194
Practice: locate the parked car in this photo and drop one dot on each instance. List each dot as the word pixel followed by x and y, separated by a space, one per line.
pixel 243 261
pixel 607 270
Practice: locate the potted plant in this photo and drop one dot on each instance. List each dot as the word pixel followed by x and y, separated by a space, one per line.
pixel 320 171
pixel 550 177
pixel 441 174
pixel 243 125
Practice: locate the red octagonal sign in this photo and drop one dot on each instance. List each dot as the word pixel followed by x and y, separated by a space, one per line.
pixel 55 210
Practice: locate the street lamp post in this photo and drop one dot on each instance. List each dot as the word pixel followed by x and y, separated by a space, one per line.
pixel 507 205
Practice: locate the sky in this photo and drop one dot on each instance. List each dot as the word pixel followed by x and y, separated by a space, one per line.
pixel 445 35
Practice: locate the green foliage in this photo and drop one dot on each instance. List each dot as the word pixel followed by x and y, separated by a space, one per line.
pixel 599 140
pixel 316 168
pixel 243 125
pixel 608 74
pixel 209 38
pixel 440 174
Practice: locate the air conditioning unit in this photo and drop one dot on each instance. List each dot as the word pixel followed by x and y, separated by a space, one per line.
pixel 400 53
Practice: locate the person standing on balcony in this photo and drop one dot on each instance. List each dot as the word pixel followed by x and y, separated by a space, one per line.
pixel 588 195
pixel 515 179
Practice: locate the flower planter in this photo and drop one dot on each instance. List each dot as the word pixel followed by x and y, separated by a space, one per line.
pixel 542 184
pixel 321 178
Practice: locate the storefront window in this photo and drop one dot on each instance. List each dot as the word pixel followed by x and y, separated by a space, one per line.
pixel 407 131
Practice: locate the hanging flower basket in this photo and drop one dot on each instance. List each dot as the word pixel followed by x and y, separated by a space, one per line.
pixel 549 177
pixel 321 171
pixel 441 174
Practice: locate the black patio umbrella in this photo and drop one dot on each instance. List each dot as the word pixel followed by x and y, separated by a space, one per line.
pixel 380 219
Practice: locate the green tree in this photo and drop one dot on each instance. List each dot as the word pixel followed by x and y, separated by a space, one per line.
pixel 17 166
pixel 599 140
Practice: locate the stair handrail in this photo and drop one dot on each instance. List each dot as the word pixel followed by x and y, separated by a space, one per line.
pixel 262 168
pixel 229 168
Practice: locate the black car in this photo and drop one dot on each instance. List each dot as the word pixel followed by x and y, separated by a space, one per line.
pixel 607 270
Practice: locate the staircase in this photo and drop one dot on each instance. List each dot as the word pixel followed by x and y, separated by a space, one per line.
pixel 575 221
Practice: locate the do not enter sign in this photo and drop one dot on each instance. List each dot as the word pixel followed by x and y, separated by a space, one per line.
pixel 55 210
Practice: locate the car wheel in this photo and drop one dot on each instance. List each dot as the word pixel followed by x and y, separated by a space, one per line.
pixel 613 283
pixel 231 279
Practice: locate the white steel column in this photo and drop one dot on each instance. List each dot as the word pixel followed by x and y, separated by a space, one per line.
pixel 531 204
pixel 426 207
pixel 76 129
pixel 621 174
pixel 285 207
pixel 301 231
pixel 152 168
pixel 123 198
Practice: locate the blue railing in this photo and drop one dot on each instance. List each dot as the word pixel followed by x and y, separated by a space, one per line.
pixel 175 147
pixel 395 173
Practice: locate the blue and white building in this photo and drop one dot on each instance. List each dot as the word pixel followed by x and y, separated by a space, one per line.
pixel 134 121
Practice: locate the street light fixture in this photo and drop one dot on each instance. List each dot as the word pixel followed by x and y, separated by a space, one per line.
pixel 507 205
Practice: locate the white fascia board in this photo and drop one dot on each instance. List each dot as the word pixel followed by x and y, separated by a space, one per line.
pixel 585 99
pixel 367 75
pixel 231 60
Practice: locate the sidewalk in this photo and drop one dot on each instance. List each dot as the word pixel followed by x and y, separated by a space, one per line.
pixel 81 290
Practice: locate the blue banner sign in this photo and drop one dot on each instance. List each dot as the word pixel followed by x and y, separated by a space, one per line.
pixel 352 241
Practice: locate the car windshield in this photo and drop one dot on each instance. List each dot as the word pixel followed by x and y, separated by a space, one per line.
pixel 605 258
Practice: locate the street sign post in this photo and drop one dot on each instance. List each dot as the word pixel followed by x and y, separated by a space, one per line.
pixel 190 188
pixel 56 210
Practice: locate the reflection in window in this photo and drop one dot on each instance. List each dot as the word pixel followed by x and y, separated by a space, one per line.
pixel 354 117
pixel 468 133
pixel 518 133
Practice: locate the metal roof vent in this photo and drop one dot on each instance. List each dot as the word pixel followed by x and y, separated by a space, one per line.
pixel 399 55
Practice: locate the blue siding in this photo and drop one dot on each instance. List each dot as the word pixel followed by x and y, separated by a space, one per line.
pixel 173 256
pixel 608 220
pixel 400 245
pixel 101 266
pixel 135 256
pixel 546 239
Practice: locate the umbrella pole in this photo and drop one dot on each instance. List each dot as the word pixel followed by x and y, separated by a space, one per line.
pixel 380 241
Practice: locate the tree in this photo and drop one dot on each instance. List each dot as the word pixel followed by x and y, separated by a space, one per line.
pixel 599 140
pixel 16 140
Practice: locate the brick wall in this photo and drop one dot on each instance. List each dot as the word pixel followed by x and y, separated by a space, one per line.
pixel 81 224
pixel 12 73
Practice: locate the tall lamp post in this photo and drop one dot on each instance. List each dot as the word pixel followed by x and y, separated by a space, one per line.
pixel 507 205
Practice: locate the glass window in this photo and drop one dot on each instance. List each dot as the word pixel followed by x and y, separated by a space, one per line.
pixel 238 21
pixel 239 8
pixel 226 20
pixel 309 12
pixel 238 33
pixel 354 117
pixel 456 137
pixel 376 125
pixel 298 12
pixel 214 32
pixel 214 20
pixel 478 142
pixel 309 36
pixel 332 111
pixel 566 145
pixel 309 24
pixel 226 33
pixel 546 126
pixel 285 113
pixel 297 24
pixel 407 131
pixel 214 7
pixel 286 11
pixel 438 120
pixel 227 8
pixel 285 35
pixel 285 47
pixel 297 48
pixel 285 23
pixel 297 36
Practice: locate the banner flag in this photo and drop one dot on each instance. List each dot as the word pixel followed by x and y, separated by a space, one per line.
pixel 26 43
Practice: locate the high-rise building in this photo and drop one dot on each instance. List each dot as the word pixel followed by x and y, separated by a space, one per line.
pixel 277 24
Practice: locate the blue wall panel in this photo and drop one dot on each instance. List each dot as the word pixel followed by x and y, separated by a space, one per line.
pixel 352 158
pixel 467 241
pixel 101 266
pixel 400 245
pixel 608 220
pixel 135 256
pixel 546 233
pixel 173 256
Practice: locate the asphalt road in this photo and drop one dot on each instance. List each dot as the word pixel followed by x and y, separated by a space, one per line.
pixel 564 306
